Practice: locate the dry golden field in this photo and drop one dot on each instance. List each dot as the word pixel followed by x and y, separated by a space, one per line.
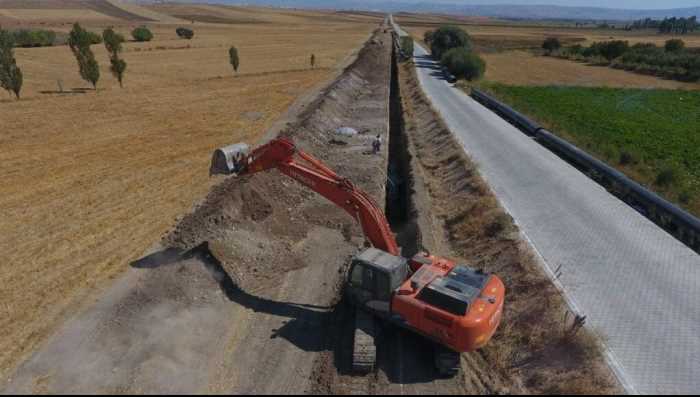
pixel 91 180
pixel 506 49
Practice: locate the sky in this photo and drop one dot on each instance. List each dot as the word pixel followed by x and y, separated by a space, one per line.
pixel 633 4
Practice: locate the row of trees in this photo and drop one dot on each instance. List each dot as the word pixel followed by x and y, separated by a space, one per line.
pixel 80 42
pixel 673 60
pixel 667 25
pixel 453 47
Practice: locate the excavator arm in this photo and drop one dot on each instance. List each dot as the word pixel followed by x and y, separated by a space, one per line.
pixel 281 154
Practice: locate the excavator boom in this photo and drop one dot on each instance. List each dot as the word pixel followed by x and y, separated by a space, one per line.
pixel 312 173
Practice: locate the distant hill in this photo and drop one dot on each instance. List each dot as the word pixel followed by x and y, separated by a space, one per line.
pixel 500 11
pixel 102 9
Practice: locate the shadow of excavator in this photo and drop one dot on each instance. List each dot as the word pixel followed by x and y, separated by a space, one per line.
pixel 306 322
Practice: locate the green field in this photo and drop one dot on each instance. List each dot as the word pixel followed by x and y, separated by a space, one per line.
pixel 651 135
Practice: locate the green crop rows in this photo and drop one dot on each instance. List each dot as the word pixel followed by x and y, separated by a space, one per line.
pixel 651 135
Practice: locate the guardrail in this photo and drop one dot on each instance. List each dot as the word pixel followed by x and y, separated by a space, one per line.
pixel 679 223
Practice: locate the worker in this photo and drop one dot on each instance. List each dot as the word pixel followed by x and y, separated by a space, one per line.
pixel 377 144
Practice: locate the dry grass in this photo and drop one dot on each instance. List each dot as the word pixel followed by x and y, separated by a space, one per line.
pixel 91 180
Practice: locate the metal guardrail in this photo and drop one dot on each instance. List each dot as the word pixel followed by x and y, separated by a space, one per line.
pixel 676 221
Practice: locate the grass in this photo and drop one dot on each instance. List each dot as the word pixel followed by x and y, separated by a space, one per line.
pixel 652 135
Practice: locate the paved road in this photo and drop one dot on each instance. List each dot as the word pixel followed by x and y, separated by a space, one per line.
pixel 639 287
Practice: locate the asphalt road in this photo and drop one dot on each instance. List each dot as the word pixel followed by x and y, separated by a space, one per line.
pixel 638 286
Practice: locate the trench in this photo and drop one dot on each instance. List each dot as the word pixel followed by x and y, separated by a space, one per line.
pixel 399 208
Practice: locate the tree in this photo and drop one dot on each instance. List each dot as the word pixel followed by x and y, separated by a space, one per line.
pixel 79 41
pixel 11 78
pixel 613 49
pixel 551 45
pixel 447 38
pixel 675 45
pixel 428 36
pixel 185 33
pixel 142 34
pixel 463 63
pixel 233 58
pixel 313 61
pixel 113 43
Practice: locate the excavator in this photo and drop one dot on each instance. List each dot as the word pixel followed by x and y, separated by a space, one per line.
pixel 453 305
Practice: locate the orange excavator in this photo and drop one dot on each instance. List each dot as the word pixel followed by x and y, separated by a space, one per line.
pixel 457 307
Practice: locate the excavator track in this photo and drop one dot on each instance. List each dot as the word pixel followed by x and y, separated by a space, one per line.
pixel 364 354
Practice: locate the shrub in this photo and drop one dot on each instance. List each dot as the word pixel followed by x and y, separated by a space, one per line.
pixel 185 33
pixel 428 37
pixel 627 158
pixel 464 64
pixel 551 45
pixel 142 34
pixel 447 38
pixel 407 46
pixel 666 177
pixel 614 49
pixel 233 58
pixel 674 45
pixel 34 38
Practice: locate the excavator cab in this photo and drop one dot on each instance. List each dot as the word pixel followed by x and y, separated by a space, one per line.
pixel 374 276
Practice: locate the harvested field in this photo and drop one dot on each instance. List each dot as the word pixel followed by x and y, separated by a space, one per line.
pixel 527 69
pixel 237 299
pixel 111 170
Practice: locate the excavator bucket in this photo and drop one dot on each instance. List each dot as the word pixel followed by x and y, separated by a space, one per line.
pixel 229 160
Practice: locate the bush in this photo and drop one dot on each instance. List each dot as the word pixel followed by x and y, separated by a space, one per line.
pixel 464 64
pixel 407 46
pixel 551 45
pixel 94 38
pixel 447 38
pixel 428 37
pixel 34 38
pixel 666 177
pixel 674 45
pixel 185 33
pixel 627 158
pixel 142 34
pixel 233 58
